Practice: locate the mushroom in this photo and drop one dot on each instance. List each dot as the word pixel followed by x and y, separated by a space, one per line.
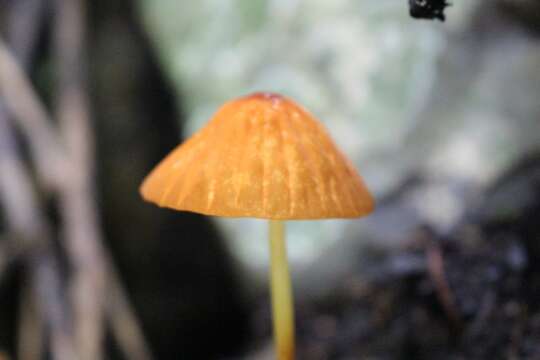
pixel 262 156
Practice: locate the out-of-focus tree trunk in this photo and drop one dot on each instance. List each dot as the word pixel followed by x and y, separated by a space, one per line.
pixel 174 264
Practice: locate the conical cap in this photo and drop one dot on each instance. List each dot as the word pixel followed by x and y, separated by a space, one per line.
pixel 260 156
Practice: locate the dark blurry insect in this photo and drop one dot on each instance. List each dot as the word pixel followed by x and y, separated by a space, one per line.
pixel 428 9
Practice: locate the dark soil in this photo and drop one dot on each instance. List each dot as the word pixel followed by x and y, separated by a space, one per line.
pixel 473 294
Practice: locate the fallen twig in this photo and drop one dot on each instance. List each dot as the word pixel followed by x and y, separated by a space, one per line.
pixel 435 266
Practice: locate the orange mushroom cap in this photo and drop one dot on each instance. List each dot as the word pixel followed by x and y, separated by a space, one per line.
pixel 260 156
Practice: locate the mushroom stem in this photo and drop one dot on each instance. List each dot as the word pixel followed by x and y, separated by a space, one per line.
pixel 280 288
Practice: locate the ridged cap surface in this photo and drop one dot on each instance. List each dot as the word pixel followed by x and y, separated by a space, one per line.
pixel 260 156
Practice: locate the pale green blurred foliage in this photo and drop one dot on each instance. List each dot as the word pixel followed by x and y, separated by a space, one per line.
pixel 358 65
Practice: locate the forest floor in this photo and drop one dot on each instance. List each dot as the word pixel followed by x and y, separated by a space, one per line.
pixel 472 294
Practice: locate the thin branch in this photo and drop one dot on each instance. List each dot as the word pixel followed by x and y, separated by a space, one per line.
pixel 26 222
pixel 21 100
pixel 32 235
pixel 24 20
pixel 81 228
pixel 435 266
pixel 6 255
pixel 30 332
pixel 123 320
pixel 16 190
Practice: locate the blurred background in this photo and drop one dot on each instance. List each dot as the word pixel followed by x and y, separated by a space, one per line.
pixel 441 118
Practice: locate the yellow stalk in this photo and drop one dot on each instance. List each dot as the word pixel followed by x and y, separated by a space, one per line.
pixel 280 288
